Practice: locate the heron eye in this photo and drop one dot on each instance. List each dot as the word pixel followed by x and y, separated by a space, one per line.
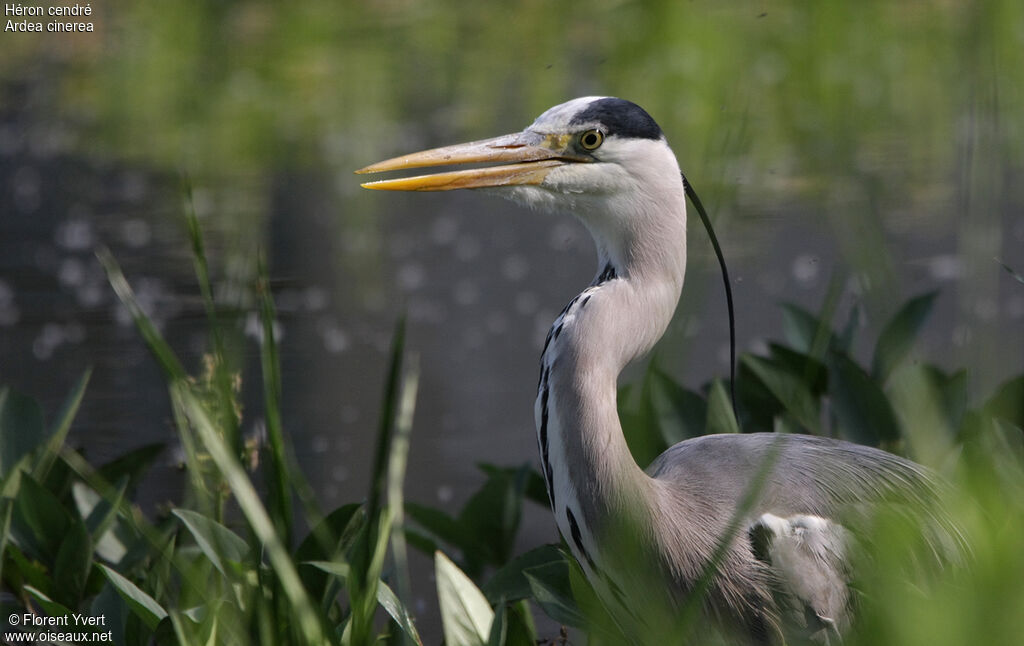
pixel 591 139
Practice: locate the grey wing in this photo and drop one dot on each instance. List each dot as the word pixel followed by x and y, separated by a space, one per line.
pixel 807 558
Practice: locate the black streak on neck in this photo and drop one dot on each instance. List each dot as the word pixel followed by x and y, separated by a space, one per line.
pixel 608 273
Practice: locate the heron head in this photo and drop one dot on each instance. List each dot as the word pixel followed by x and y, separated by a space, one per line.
pixel 602 159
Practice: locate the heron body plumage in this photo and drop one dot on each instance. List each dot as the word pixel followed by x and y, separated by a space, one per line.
pixel 646 538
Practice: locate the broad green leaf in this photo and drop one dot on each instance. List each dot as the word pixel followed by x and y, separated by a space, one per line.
pixel 1008 401
pixel 131 465
pixel 552 590
pixel 510 583
pixel 328 540
pixel 899 334
pixel 789 389
pixel 465 614
pixel 39 521
pixel 721 418
pixel 441 526
pixel 110 604
pixel 678 413
pixel 801 328
pixel 73 563
pixel 100 519
pixel 499 627
pixel 143 605
pixel 389 601
pixel 386 597
pixel 21 428
pixel 217 542
pixel 520 629
pixel 492 517
pixel 862 410
pixel 26 570
pixel 812 372
pixel 535 490
pixel 51 607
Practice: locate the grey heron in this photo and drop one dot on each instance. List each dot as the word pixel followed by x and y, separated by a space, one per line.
pixel 606 161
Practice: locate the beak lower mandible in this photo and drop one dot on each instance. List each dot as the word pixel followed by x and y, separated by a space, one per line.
pixel 527 158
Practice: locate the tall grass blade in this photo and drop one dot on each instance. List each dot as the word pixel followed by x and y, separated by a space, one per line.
pixel 280 493
pixel 259 520
pixel 370 547
pixel 397 462
pixel 162 352
pixel 61 426
pixel 222 377
pixel 688 614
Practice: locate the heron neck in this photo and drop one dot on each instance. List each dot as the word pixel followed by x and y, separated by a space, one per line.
pixel 591 474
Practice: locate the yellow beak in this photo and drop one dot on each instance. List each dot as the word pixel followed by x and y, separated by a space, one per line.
pixel 527 159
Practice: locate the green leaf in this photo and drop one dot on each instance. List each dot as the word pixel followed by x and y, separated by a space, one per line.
pixel 100 517
pixel 73 563
pixel 499 627
pixel 114 609
pixel 863 411
pixel 61 426
pixel 217 542
pixel 161 351
pixel 677 413
pixel 49 606
pixel 721 418
pixel 441 526
pixel 520 629
pixel 535 491
pixel 386 597
pixel 389 601
pixel 789 389
pixel 304 617
pixel 802 329
pixel 492 517
pixel 143 605
pixel 899 334
pixel 509 583
pixel 368 550
pixel 465 614
pixel 1008 401
pixel 21 428
pixel 811 371
pixel 40 521
pixel 325 540
pixel 552 589
pixel 280 495
pixel 131 465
